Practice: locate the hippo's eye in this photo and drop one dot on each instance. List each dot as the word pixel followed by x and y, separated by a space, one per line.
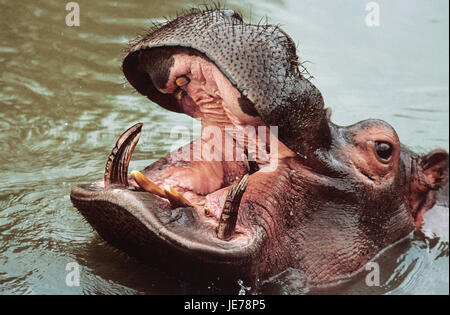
pixel 384 149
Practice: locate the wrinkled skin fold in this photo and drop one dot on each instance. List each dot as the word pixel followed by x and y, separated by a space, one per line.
pixel 318 197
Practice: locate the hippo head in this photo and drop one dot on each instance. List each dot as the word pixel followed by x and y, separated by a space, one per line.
pixel 271 183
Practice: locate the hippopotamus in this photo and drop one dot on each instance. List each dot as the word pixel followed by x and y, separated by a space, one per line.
pixel 304 193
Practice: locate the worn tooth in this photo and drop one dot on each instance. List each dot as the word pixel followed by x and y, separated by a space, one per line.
pixel 228 218
pixel 147 184
pixel 182 81
pixel 176 199
pixel 116 169
pixel 179 94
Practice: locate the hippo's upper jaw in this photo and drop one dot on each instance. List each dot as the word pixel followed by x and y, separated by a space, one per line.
pixel 246 199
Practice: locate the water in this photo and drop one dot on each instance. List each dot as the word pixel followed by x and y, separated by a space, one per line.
pixel 64 101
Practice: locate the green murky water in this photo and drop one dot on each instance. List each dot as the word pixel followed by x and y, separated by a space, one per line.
pixel 63 102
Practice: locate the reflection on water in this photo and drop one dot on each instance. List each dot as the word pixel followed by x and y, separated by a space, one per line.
pixel 64 100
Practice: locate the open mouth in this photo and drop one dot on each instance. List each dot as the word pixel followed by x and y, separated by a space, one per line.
pixel 217 210
pixel 194 200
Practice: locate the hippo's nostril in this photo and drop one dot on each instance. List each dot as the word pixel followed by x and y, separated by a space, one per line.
pixel 384 150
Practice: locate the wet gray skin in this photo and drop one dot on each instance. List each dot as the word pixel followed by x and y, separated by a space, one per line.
pixel 338 197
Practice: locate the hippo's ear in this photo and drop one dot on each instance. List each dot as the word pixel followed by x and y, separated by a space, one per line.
pixel 435 169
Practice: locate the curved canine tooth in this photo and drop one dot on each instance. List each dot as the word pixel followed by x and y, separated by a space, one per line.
pixel 117 165
pixel 175 198
pixel 147 184
pixel 229 215
pixel 182 81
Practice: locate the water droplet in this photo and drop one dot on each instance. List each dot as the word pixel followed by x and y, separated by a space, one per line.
pixel 243 288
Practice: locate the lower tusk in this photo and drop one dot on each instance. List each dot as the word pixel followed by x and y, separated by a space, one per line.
pixel 147 184
pixel 228 218
pixel 175 198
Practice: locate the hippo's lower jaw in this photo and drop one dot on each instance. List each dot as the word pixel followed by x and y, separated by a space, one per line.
pixel 142 225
